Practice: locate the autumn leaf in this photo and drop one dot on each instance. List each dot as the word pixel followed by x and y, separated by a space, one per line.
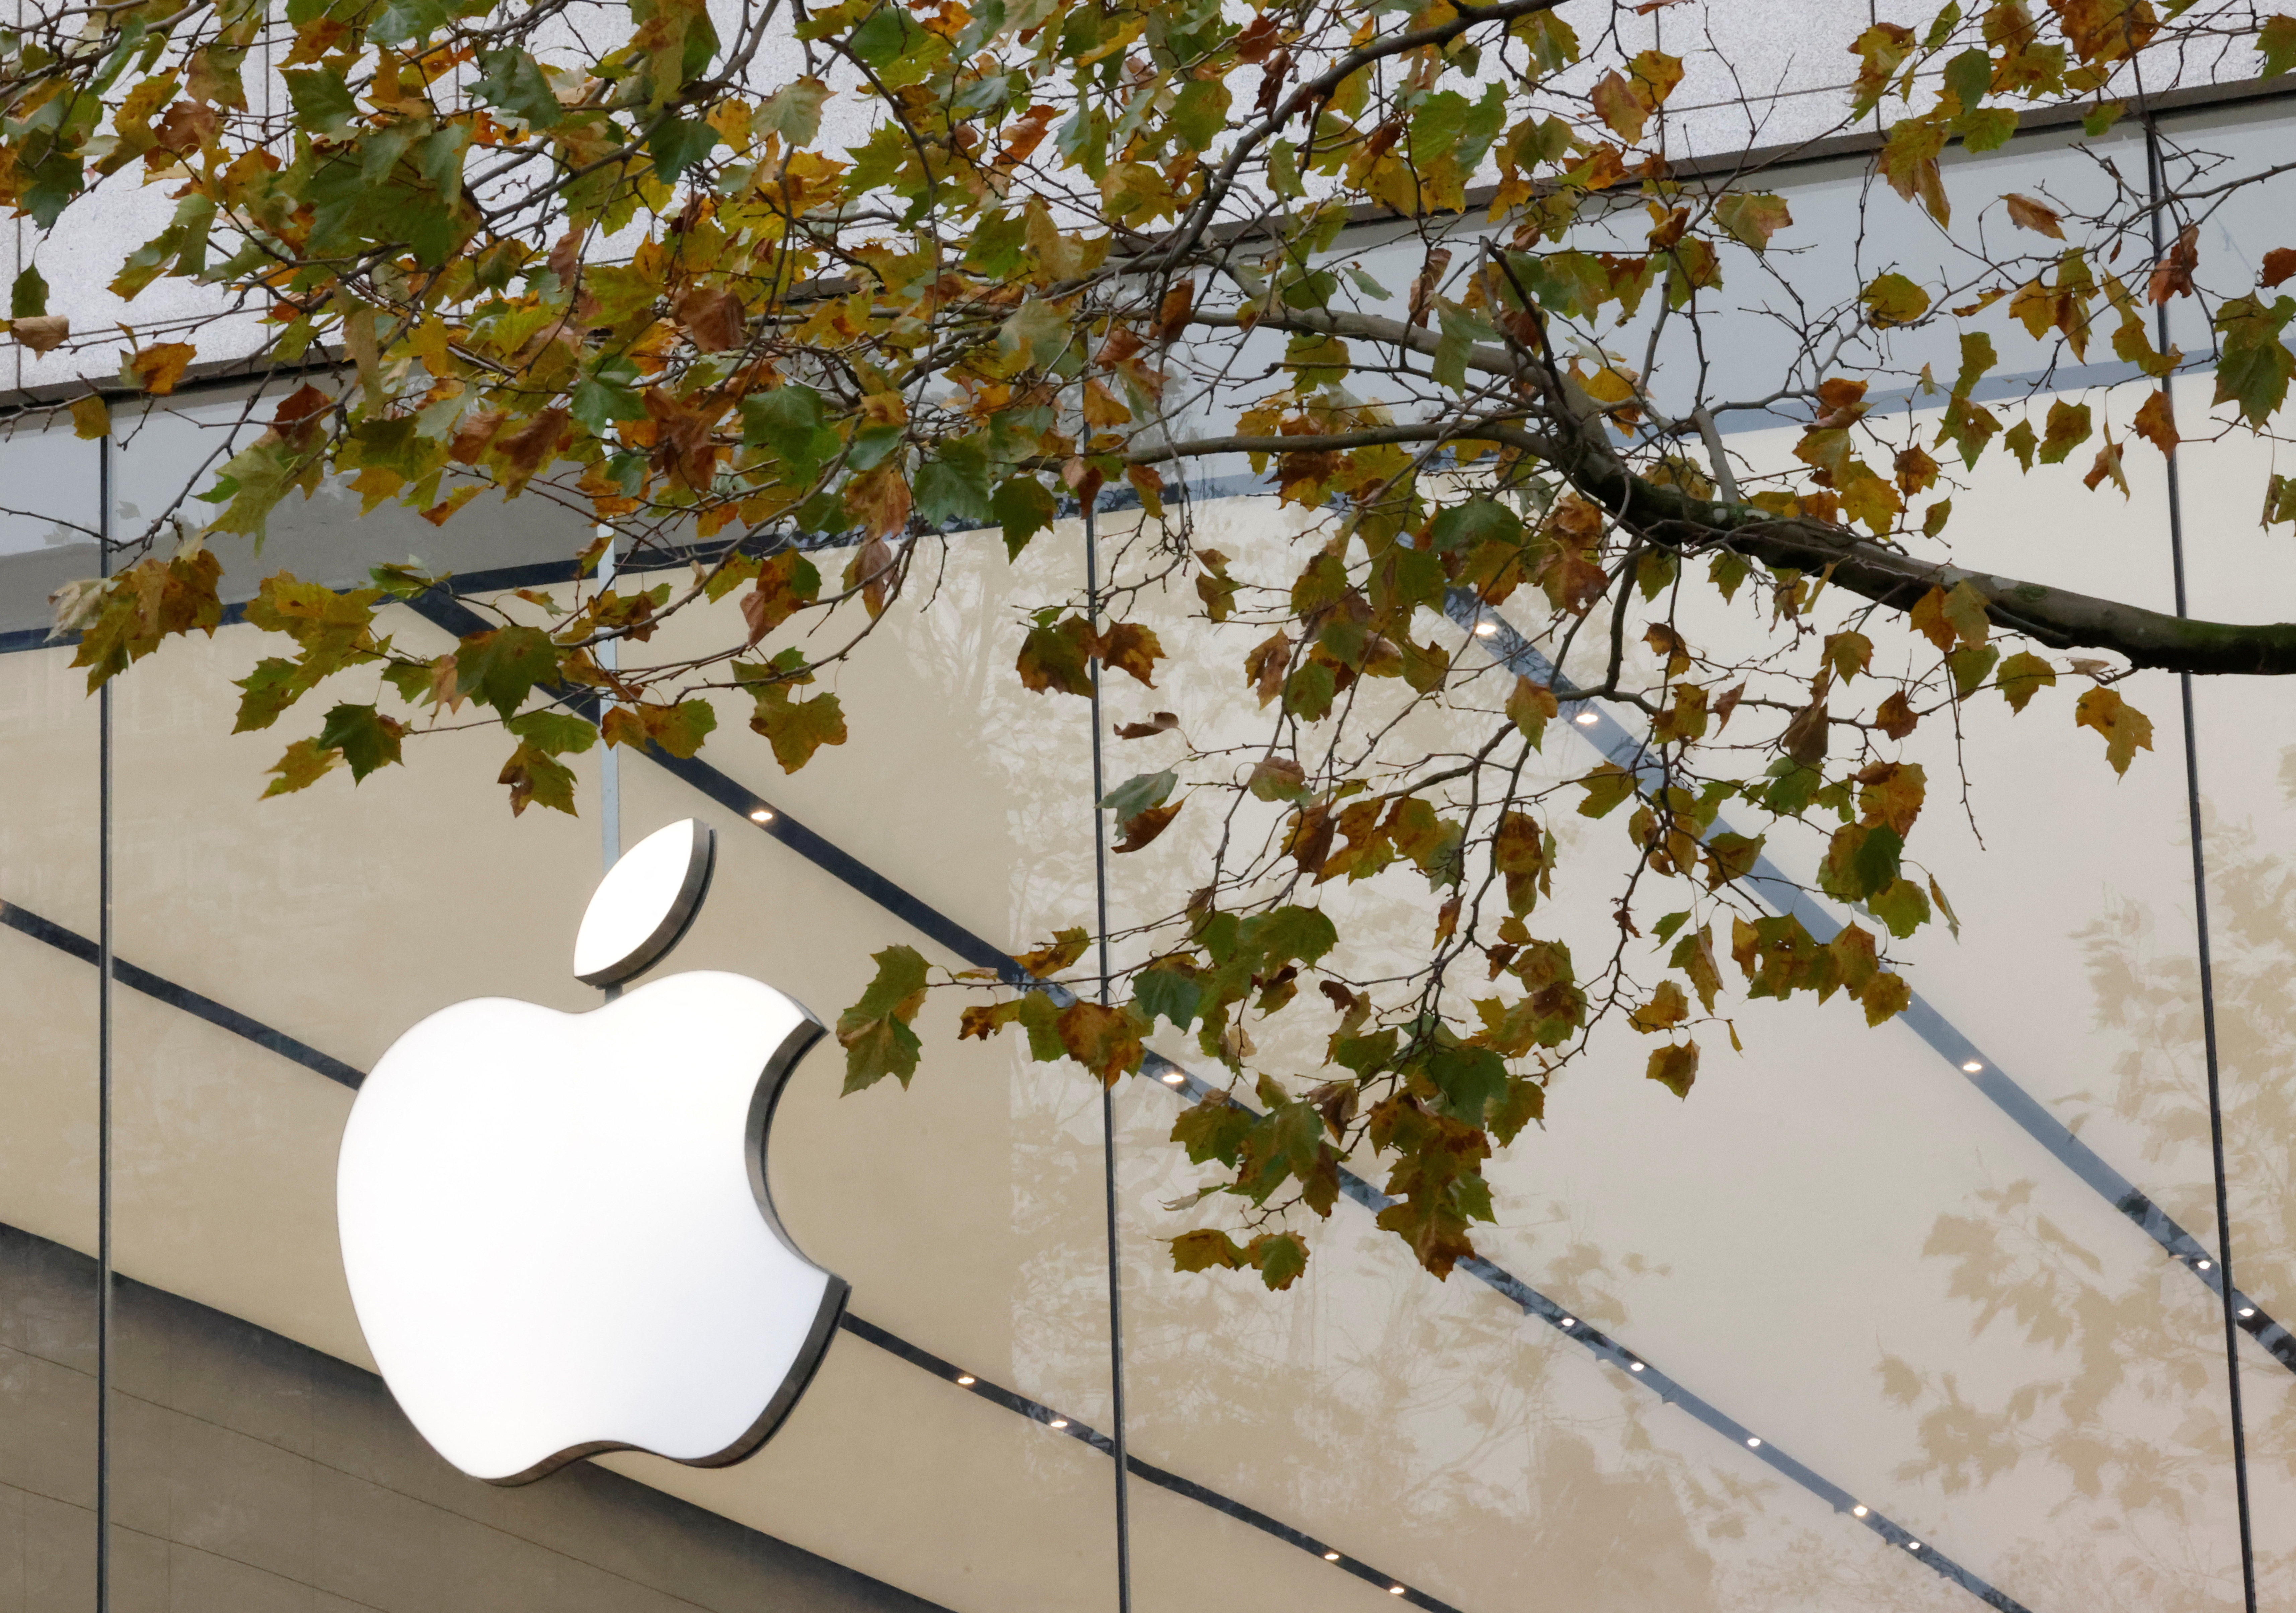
pixel 536 777
pixel 1056 656
pixel 1130 648
pixel 1143 827
pixel 878 1033
pixel 1753 217
pixel 2126 729
pixel 305 763
pixel 1205 1248
pixel 2040 218
pixel 1673 1068
pixel 1893 300
pixel 158 367
pixel 2156 422
pixel 796 728
pixel 1064 948
pixel 1106 1041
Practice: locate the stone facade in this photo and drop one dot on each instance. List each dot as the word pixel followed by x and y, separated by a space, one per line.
pixel 253 1475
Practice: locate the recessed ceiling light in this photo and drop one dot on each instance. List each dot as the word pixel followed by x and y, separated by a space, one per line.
pixel 1636 1367
pixel 761 816
pixel 1395 1590
pixel 2248 1310
pixel 2203 1265
pixel 1754 1444
pixel 1331 1556
pixel 1857 1511
pixel 1913 1545
pixel 1587 719
pixel 1173 1077
pixel 1973 1066
pixel 1571 1321
pixel 964 1379
pixel 1485 629
pixel 1060 1422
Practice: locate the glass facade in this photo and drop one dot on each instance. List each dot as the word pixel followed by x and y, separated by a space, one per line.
pixel 1856 1312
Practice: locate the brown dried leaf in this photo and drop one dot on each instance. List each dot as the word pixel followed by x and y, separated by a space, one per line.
pixel 1144 827
pixel 2040 218
pixel 42 333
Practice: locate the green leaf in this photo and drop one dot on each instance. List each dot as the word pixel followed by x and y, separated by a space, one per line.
pixel 1472 1079
pixel 1977 358
pixel 28 298
pixel 500 668
pixel 952 489
pixel 323 103
pixel 2275 41
pixel 554 732
pixel 1280 1257
pixel 1893 300
pixel 1969 75
pixel 1200 113
pixel 876 1031
pixel 796 729
pixel 794 112
pixel 1204 1248
pixel 1607 785
pixel 1213 1130
pixel 1901 906
pixel 1136 795
pixel 405 19
pixel 1309 691
pixel 514 82
pixel 1289 934
pixel 1023 507
pixel 2255 367
pixel 1168 993
pixel 1461 332
pixel 1753 217
pixel 677 144
pixel 366 739
pixel 270 689
pixel 533 775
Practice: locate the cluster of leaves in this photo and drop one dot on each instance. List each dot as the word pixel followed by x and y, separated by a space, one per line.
pixel 959 265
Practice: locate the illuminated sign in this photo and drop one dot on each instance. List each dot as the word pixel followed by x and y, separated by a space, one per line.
pixel 556 1226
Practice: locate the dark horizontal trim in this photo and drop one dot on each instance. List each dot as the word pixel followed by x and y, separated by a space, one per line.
pixel 1036 1411
pixel 198 1007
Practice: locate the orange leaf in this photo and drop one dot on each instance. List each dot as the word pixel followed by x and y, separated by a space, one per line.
pixel 2028 214
pixel 158 368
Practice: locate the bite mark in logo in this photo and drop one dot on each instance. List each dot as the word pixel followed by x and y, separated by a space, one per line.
pixel 556 1226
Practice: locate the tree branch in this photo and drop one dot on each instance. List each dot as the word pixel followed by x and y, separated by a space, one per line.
pixel 2061 618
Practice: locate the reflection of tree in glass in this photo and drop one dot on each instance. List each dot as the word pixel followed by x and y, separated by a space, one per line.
pixel 2136 1419
pixel 1479 1454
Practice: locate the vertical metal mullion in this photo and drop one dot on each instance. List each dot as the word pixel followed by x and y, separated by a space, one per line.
pixel 610 760
pixel 103 969
pixel 2156 183
pixel 1107 1090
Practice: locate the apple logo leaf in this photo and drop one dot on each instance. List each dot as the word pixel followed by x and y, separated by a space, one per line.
pixel 555 1227
pixel 645 904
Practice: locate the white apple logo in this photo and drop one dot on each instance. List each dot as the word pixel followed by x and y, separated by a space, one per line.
pixel 556 1226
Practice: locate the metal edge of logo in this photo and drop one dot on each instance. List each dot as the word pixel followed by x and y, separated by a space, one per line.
pixel 700 867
